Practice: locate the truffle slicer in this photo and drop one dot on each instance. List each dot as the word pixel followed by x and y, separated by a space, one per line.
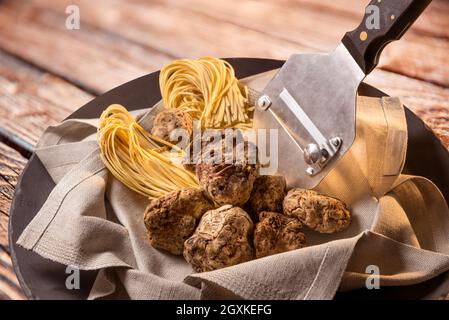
pixel 312 99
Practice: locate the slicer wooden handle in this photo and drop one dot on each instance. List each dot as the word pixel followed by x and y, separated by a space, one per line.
pixel 384 21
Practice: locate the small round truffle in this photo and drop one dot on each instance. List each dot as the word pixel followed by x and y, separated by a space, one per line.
pixel 229 181
pixel 168 120
pixel 320 213
pixel 276 233
pixel 267 195
pixel 222 239
pixel 171 219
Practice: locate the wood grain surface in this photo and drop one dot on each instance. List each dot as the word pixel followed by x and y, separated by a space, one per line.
pixel 11 164
pixel 48 71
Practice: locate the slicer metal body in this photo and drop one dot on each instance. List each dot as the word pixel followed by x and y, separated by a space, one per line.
pixel 312 101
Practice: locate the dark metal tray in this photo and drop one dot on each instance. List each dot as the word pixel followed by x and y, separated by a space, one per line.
pixel 43 279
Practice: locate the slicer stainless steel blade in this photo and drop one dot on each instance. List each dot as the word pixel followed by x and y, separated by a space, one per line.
pixel 312 99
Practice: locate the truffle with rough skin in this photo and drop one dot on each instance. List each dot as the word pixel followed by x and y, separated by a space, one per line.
pixel 171 219
pixel 276 233
pixel 222 239
pixel 320 213
pixel 228 183
pixel 267 195
pixel 168 120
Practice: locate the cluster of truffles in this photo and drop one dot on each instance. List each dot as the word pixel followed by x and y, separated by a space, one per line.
pixel 186 223
pixel 237 215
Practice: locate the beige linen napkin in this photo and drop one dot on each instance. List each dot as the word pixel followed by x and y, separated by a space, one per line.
pixel 93 222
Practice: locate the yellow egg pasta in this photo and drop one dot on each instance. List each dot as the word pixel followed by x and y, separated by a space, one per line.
pixel 138 159
pixel 208 90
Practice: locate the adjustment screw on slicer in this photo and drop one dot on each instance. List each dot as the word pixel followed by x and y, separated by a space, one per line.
pixel 312 153
pixel 264 102
pixel 336 142
pixel 310 171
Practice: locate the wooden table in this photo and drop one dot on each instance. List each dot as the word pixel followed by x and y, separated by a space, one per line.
pixel 48 71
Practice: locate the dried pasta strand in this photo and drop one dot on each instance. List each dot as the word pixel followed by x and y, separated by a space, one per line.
pixel 208 90
pixel 138 159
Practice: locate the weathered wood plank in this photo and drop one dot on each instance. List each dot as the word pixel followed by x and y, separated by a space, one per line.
pixel 175 31
pixel 11 164
pixel 422 53
pixel 31 100
pixel 308 24
pixel 4 231
pixel 9 286
pixel 434 21
pixel 95 60
pixel 267 28
pixel 316 30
